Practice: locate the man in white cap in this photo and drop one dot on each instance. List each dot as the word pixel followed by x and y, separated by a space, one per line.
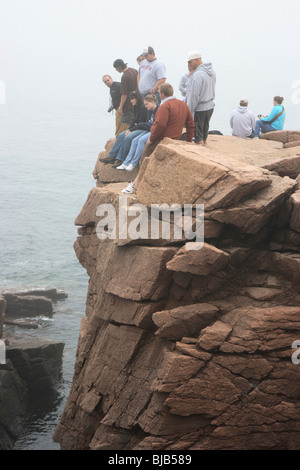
pixel 151 74
pixel 200 94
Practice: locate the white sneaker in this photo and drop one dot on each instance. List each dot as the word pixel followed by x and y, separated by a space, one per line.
pixel 130 167
pixel 129 189
pixel 122 167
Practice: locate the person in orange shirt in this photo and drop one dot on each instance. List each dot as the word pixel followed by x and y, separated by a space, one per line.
pixel 172 117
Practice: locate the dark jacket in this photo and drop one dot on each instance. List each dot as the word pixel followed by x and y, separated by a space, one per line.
pixel 139 115
pixel 146 126
pixel 115 94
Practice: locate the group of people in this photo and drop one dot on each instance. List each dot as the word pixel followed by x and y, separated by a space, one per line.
pixel 147 110
pixel 244 124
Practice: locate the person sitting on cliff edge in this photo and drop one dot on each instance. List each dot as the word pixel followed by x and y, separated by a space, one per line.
pixel 172 116
pixel 274 121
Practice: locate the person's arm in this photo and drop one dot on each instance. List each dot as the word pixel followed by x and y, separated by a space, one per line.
pixel 231 120
pixel 157 85
pixel 193 92
pixel 270 116
pixel 160 76
pixel 190 126
pixel 160 123
pixel 123 99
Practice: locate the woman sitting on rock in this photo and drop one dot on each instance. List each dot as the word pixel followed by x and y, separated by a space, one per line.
pixel 274 121
pixel 139 142
pixel 122 145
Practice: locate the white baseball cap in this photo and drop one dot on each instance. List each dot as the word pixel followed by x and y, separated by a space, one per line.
pixel 192 55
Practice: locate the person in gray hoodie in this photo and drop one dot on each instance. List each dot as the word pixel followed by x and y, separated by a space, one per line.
pixel 242 121
pixel 200 94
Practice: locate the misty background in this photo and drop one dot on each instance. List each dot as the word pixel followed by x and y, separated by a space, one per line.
pixel 54 52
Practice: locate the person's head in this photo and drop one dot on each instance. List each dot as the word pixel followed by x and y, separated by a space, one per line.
pixel 193 60
pixel 148 53
pixel 277 100
pixel 150 102
pixel 140 59
pixel 244 102
pixel 135 98
pixel 107 80
pixel 119 65
pixel 166 90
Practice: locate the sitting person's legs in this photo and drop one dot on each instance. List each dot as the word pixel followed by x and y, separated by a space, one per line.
pixel 262 127
pixel 124 150
pixel 139 150
pixel 133 148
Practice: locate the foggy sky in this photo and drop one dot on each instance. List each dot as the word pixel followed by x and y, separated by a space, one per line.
pixel 57 50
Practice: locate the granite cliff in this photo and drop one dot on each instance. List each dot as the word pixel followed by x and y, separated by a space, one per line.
pixel 192 349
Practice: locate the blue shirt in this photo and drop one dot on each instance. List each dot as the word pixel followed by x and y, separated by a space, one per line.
pixel 278 124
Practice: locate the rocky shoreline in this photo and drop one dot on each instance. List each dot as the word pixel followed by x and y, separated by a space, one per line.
pixel 31 371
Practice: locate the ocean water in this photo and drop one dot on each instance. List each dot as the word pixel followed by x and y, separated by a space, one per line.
pixel 47 155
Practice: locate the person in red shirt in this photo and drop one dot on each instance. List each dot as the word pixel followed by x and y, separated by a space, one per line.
pixel 172 117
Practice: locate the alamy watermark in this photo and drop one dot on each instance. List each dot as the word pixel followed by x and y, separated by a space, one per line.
pixel 296 354
pixel 296 94
pixel 162 221
pixel 2 92
pixel 2 352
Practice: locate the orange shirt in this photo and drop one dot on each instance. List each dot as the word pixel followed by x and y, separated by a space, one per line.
pixel 171 117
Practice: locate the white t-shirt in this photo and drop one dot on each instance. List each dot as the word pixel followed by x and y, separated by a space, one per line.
pixel 150 73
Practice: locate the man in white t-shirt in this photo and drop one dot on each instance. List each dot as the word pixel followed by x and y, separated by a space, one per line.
pixel 151 74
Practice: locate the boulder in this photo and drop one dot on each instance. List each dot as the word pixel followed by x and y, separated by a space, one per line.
pixel 202 262
pixel 149 280
pixel 283 136
pixel 182 173
pixel 38 363
pixel 184 321
pixel 105 173
pixel 294 220
pixel 27 305
pixel 295 143
pixel 254 212
pixel 28 379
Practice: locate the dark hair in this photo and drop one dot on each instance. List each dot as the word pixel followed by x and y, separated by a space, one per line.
pixel 119 63
pixel 135 95
pixel 278 99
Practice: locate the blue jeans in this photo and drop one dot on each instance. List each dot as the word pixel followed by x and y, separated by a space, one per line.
pixel 122 145
pixel 263 127
pixel 136 149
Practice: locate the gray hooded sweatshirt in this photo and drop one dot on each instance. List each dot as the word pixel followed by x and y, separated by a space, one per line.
pixel 201 88
pixel 242 122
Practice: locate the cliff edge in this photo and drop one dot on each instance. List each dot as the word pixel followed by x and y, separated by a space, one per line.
pixel 186 348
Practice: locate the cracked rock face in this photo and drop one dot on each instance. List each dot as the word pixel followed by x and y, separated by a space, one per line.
pixel 192 349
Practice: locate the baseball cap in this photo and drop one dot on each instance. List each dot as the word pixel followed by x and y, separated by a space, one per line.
pixel 193 55
pixel 148 50
pixel 119 63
